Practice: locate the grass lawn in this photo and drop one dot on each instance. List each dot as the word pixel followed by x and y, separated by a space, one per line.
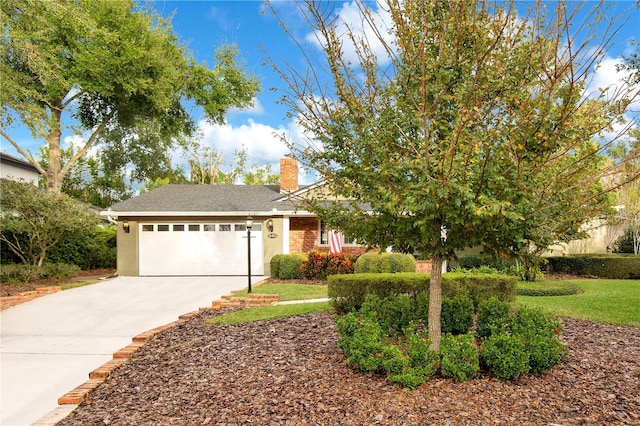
pixel 288 291
pixel 607 301
pixel 261 313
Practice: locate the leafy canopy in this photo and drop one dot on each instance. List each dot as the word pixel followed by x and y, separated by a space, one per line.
pixel 470 126
pixel 91 66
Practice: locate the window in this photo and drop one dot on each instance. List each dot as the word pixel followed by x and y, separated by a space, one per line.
pixel 240 227
pixel 223 228
pixel 324 236
pixel 163 228
pixel 178 228
pixel 194 228
pixel 209 227
pixel 147 228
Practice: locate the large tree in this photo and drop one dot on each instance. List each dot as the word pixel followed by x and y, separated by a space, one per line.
pixel 89 66
pixel 466 125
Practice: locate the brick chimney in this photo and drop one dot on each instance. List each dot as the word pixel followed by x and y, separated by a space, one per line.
pixel 288 174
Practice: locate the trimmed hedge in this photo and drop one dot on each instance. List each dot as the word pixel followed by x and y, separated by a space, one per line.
pixel 601 266
pixel 385 263
pixel 287 266
pixel 348 292
pixel 543 289
pixel 472 261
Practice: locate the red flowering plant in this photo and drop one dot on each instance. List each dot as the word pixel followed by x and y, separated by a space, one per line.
pixel 319 265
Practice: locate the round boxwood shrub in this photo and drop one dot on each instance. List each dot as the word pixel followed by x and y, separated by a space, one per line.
pixel 493 316
pixel 287 266
pixel 457 314
pixel 389 335
pixel 385 262
pixel 506 356
pixel 459 357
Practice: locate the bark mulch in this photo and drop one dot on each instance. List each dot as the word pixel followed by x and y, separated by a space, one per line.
pixel 290 372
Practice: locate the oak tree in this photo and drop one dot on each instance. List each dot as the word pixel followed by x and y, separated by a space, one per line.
pixel 90 66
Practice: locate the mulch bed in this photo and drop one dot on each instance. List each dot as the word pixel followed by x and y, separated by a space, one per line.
pixel 290 372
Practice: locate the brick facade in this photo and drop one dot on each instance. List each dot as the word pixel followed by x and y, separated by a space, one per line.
pixel 303 234
pixel 303 237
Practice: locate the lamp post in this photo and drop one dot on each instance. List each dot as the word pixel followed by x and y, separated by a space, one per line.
pixel 249 224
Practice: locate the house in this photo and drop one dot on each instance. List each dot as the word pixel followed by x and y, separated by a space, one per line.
pixel 13 168
pixel 201 229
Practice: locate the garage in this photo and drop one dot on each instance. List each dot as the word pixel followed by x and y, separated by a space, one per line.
pixel 203 248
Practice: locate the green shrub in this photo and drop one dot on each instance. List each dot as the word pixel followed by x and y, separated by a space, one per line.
pixel 413 377
pixel 348 292
pixel 391 313
pixel 471 261
pixel 544 353
pixel 506 356
pixel 459 357
pixel 59 271
pixel 531 322
pixel 287 266
pixel 274 265
pixel 389 335
pixel 624 244
pixel 480 287
pixel 422 362
pixel 457 314
pixel 559 288
pixel 385 263
pixel 19 273
pixel 602 266
pixel 361 341
pixel 88 250
pixel 493 316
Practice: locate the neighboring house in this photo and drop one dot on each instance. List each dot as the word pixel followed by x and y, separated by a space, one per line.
pixel 13 168
pixel 602 235
pixel 200 229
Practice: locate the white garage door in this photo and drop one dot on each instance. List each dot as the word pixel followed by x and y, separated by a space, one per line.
pixel 199 249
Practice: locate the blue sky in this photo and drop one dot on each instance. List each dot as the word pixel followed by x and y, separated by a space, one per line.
pixel 205 24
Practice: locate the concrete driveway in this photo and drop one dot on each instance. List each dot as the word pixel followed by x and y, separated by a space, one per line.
pixel 50 345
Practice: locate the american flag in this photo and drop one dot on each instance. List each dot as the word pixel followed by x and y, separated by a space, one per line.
pixel 335 242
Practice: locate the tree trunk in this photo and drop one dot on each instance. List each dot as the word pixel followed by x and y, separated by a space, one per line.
pixel 54 172
pixel 435 301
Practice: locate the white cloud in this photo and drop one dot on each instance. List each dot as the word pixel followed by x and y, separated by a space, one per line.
pixel 350 19
pixel 262 142
pixel 606 79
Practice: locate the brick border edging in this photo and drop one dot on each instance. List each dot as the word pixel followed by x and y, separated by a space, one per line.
pixel 69 401
pixel 27 296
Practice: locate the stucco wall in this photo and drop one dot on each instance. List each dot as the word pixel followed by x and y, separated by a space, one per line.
pixel 11 172
pixel 128 249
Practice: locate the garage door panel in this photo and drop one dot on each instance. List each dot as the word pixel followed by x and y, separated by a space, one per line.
pixel 196 251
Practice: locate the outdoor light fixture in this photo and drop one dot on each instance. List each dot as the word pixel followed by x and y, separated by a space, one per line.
pixel 270 225
pixel 249 224
pixel 125 226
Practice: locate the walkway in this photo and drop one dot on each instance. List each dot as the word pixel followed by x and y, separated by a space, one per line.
pixel 49 345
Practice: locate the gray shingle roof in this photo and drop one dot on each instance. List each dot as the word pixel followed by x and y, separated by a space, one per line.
pixel 206 198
